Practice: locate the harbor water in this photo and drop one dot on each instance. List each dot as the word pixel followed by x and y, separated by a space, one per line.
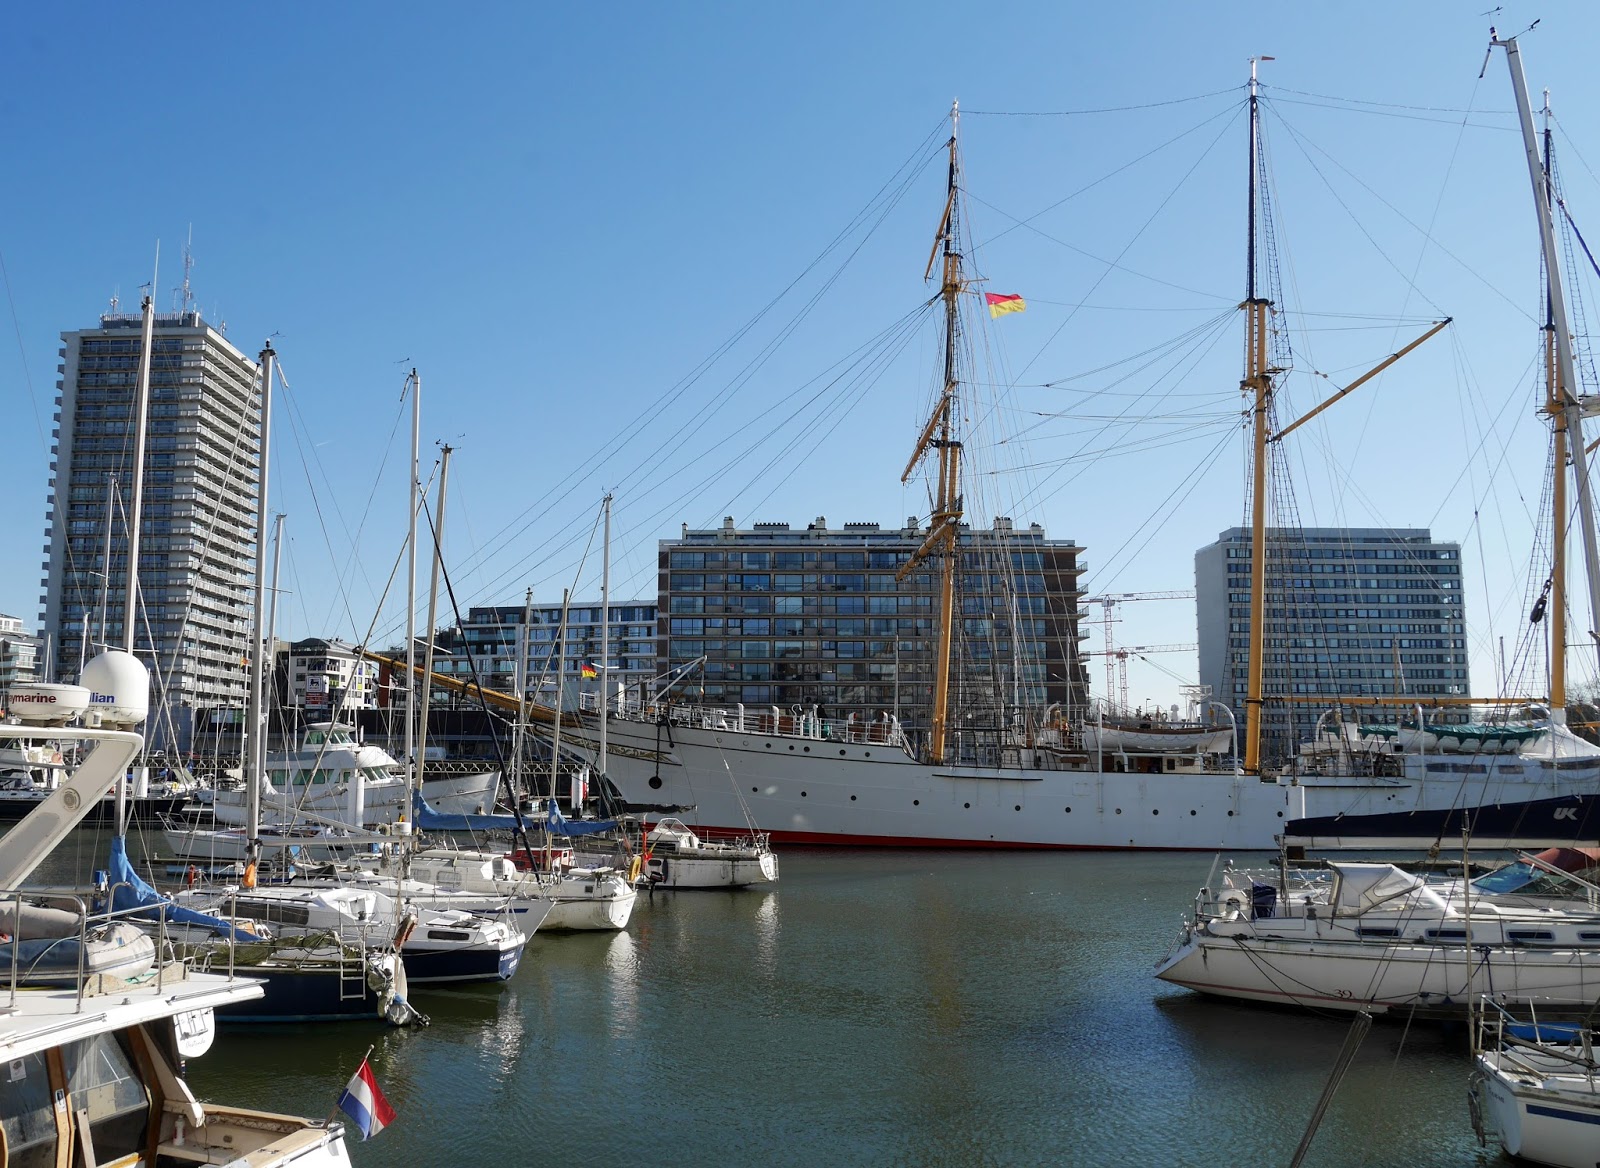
pixel 875 1008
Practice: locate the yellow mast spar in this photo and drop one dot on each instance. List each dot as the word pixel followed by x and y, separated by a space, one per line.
pixel 1257 381
pixel 1555 406
pixel 939 434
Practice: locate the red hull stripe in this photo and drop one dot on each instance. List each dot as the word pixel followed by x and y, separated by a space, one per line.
pixel 831 839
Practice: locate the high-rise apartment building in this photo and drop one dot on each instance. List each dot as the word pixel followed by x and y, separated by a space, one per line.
pixel 202 473
pixel 1357 613
pixel 815 618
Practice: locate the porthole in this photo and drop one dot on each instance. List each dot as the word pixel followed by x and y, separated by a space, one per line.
pixel 791 746
pixel 968 806
pixel 868 754
pixel 655 782
pixel 1119 811
pixel 808 750
pixel 916 802
pixel 1230 815
pixel 1068 810
pixel 755 790
pixel 852 798
pixel 802 794
pixel 841 752
pixel 1018 807
pixel 1155 811
pixel 769 746
pixel 1191 811
pixel 1280 815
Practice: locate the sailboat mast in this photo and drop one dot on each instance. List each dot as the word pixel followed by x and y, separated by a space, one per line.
pixel 1257 382
pixel 141 407
pixel 1557 315
pixel 433 615
pixel 411 582
pixel 255 715
pixel 513 780
pixel 561 691
pixel 1558 493
pixel 605 631
pixel 940 434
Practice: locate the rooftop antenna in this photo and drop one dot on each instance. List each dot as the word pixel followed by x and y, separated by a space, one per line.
pixel 114 300
pixel 188 266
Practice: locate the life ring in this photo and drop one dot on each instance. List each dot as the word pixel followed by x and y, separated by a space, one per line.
pixel 1233 900
pixel 634 868
pixel 249 879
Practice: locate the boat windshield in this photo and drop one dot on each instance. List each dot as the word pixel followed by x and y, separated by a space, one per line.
pixel 1534 877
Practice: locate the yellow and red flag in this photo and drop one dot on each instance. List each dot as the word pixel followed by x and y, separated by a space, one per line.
pixel 588 671
pixel 1000 304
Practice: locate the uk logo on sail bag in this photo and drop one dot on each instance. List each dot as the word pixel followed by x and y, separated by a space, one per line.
pixel 364 1103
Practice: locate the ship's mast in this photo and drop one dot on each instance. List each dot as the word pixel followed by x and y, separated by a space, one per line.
pixel 1558 495
pixel 1556 316
pixel 940 434
pixel 1257 382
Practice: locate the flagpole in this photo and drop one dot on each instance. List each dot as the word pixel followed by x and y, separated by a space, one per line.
pixel 334 1114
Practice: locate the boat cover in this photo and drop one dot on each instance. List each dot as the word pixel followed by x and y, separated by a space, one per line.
pixel 1361 888
pixel 560 825
pixel 427 819
pixel 129 891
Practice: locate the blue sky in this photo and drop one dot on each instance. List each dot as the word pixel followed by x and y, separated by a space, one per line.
pixel 561 215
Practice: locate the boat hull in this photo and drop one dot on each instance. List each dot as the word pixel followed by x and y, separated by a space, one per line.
pixel 1431 980
pixel 817 791
pixel 687 870
pixel 431 964
pixel 1558 1127
pixel 1539 823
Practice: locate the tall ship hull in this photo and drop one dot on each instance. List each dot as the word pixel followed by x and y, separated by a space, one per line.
pixel 808 789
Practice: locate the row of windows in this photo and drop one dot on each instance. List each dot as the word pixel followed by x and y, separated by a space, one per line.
pixel 1022 561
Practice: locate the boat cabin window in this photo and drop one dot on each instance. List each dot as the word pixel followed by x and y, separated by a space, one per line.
pixel 275 912
pixel 1446 934
pixel 1377 931
pixel 1530 936
pixel 315 738
pixel 26 1114
pixel 101 1080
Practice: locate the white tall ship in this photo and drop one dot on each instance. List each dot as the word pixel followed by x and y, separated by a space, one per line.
pixel 1050 780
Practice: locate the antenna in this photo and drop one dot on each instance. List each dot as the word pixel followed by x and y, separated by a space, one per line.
pixel 114 300
pixel 188 266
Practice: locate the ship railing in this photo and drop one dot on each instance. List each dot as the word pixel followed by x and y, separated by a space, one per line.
pixel 83 906
pixel 796 722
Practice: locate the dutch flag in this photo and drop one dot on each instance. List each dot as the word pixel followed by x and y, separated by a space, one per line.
pixel 364 1103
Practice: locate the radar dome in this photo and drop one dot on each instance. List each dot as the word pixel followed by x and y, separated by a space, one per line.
pixel 119 688
pixel 44 704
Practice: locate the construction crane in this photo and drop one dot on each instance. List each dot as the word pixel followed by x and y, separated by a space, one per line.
pixel 1108 603
pixel 1119 658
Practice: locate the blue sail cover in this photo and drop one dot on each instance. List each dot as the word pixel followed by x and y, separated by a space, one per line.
pixel 129 891
pixel 427 819
pixel 569 827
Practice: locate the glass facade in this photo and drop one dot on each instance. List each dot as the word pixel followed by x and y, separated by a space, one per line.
pixel 774 616
pixel 1356 613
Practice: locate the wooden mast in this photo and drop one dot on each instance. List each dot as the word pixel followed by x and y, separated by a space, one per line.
pixel 940 434
pixel 1555 399
pixel 1257 381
